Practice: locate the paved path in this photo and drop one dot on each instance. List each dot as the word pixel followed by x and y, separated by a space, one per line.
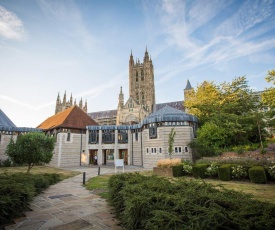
pixel 69 206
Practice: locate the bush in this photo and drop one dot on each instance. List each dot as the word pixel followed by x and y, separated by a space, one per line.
pixel 199 170
pixel 18 189
pixel 150 202
pixel 238 172
pixel 224 172
pixel 177 170
pixel 7 163
pixel 257 175
pixel 187 169
pixel 271 171
pixel 212 170
pixel 238 149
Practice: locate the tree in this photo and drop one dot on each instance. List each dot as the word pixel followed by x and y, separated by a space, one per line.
pixel 171 141
pixel 31 149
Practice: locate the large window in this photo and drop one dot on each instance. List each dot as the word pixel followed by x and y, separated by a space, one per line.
pixel 108 136
pixel 153 130
pixel 122 136
pixel 93 136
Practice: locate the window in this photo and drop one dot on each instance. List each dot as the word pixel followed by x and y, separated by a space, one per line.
pixel 147 150
pixel 0 137
pixel 153 150
pixel 177 149
pixel 136 76
pixel 137 97
pixel 186 149
pixel 142 98
pixel 142 75
pixel 68 136
pixel 108 136
pixel 152 130
pixel 122 136
pixel 93 137
pixel 160 150
pixel 136 136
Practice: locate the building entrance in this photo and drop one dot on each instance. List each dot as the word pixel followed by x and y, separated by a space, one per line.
pixel 108 157
pixel 93 157
pixel 123 154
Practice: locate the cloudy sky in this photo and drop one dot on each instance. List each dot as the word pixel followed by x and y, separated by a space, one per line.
pixel 83 47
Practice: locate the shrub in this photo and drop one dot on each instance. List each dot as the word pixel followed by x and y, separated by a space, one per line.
pixel 212 170
pixel 18 189
pixel 224 172
pixel 257 175
pixel 168 163
pixel 238 149
pixel 199 170
pixel 238 172
pixel 177 170
pixel 271 171
pixel 187 169
pixel 7 163
pixel 150 202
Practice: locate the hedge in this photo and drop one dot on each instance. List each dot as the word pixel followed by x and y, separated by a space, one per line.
pixel 224 172
pixel 257 175
pixel 151 202
pixel 198 170
pixel 18 189
pixel 177 170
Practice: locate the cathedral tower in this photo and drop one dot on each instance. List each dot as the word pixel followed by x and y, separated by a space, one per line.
pixel 141 82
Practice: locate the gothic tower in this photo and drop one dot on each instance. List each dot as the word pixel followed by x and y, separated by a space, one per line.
pixel 187 92
pixel 141 82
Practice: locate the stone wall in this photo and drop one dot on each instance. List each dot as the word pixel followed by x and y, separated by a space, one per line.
pixel 4 141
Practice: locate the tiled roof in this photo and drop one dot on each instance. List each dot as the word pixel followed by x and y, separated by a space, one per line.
pixel 5 121
pixel 103 114
pixel 71 118
pixel 174 104
pixel 112 113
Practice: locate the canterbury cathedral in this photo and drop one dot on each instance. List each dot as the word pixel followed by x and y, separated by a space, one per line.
pixel 141 101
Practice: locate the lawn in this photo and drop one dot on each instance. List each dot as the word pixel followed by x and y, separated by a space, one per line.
pixel 262 192
pixel 39 170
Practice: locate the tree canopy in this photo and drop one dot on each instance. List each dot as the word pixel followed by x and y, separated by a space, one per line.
pixel 31 149
pixel 229 114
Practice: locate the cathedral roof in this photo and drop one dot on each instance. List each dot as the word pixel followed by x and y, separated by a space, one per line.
pixel 5 121
pixel 188 85
pixel 169 113
pixel 71 118
pixel 103 114
pixel 174 104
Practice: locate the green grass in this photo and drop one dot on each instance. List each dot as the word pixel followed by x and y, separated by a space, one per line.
pixel 40 170
pixel 99 184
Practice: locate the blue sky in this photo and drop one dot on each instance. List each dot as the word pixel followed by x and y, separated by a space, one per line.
pixel 83 47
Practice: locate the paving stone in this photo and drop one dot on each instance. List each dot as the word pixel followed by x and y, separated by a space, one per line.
pixel 77 224
pixel 31 225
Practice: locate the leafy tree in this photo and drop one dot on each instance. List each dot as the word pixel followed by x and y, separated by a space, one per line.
pixel 228 114
pixel 171 141
pixel 31 149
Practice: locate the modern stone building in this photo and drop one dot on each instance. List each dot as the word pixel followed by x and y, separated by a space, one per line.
pixel 145 143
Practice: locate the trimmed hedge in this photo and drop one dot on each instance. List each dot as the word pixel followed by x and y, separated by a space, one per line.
pixel 177 170
pixel 18 189
pixel 151 202
pixel 198 170
pixel 224 172
pixel 257 175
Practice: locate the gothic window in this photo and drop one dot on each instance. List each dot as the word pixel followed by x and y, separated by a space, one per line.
pixel 152 130
pixel 142 98
pixel 93 137
pixel 137 97
pixel 136 76
pixel 122 136
pixel 142 75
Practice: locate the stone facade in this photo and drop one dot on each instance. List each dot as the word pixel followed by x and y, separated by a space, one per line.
pixel 63 105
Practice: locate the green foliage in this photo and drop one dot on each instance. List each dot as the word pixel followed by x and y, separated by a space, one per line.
pixel 18 189
pixel 187 169
pixel 198 170
pixel 150 202
pixel 239 172
pixel 171 140
pixel 271 171
pixel 238 149
pixel 228 113
pixel 257 174
pixel 212 170
pixel 7 162
pixel 224 172
pixel 177 170
pixel 31 149
pixel 201 149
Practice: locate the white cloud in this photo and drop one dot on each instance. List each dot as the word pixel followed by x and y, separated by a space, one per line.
pixel 11 27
